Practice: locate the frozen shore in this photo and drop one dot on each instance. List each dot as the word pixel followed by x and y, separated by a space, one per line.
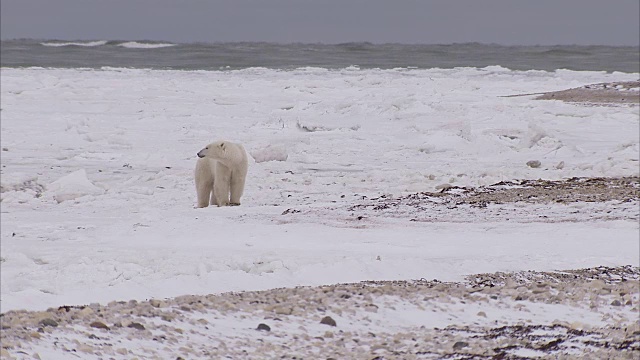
pixel 527 314
pixel 612 93
pixel 590 313
pixel 378 180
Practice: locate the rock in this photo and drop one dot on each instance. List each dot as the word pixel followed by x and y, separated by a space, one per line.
pixel 35 335
pixel 85 349
pixel 597 284
pixel 616 303
pixel 371 308
pixel 327 320
pixel 459 345
pixel 482 313
pixel 136 325
pixel 86 311
pixel 122 351
pixel 444 186
pixel 263 327
pixel 283 310
pixel 167 317
pixel 560 165
pixel 534 164
pixel 157 303
pixel 99 325
pixel 48 322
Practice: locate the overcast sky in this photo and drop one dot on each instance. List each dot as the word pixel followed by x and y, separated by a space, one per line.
pixel 509 22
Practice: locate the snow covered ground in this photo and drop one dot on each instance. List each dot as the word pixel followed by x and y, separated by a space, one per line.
pixel 98 196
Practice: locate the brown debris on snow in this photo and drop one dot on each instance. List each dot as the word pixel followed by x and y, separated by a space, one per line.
pixel 604 93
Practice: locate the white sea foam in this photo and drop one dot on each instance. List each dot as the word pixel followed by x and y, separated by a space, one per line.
pixel 87 44
pixel 139 45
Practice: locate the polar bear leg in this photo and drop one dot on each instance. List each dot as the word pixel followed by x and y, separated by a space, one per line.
pixel 221 183
pixel 204 182
pixel 237 187
pixel 204 194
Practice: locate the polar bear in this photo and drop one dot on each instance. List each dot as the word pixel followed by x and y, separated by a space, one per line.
pixel 221 171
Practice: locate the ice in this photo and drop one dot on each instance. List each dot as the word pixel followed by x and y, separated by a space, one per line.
pixel 270 153
pixel 119 146
pixel 72 186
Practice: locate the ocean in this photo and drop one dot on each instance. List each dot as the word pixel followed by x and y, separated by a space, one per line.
pixel 231 56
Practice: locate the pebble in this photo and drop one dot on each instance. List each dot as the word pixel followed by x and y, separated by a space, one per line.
pixel 459 345
pixel 371 308
pixel 136 325
pixel 444 186
pixel 283 310
pixel 534 164
pixel 157 303
pixel 263 327
pixel 48 322
pixel 85 348
pixel 86 311
pixel 328 320
pixel 99 325
pixel 168 317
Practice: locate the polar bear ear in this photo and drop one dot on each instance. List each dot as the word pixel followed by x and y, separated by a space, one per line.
pixel 222 146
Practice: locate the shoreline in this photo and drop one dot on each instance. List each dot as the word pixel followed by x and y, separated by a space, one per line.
pixel 526 313
pixel 612 93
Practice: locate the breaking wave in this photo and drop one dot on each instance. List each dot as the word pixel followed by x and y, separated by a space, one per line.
pixel 86 43
pixel 139 45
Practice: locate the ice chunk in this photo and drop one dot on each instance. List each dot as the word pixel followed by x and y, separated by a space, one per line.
pixel 270 153
pixel 73 186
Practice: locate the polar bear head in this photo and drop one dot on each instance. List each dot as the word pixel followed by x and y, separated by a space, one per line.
pixel 215 150
pixel 225 152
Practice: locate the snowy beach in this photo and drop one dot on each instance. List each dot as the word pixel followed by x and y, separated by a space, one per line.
pixel 355 175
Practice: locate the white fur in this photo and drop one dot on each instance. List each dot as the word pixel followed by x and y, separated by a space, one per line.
pixel 220 174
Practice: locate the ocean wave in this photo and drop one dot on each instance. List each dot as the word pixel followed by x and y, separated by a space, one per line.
pixel 87 43
pixel 139 45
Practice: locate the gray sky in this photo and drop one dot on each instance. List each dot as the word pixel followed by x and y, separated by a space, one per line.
pixel 509 22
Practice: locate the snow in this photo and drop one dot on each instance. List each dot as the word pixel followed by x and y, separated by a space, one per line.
pixel 72 186
pixel 270 153
pixel 119 146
